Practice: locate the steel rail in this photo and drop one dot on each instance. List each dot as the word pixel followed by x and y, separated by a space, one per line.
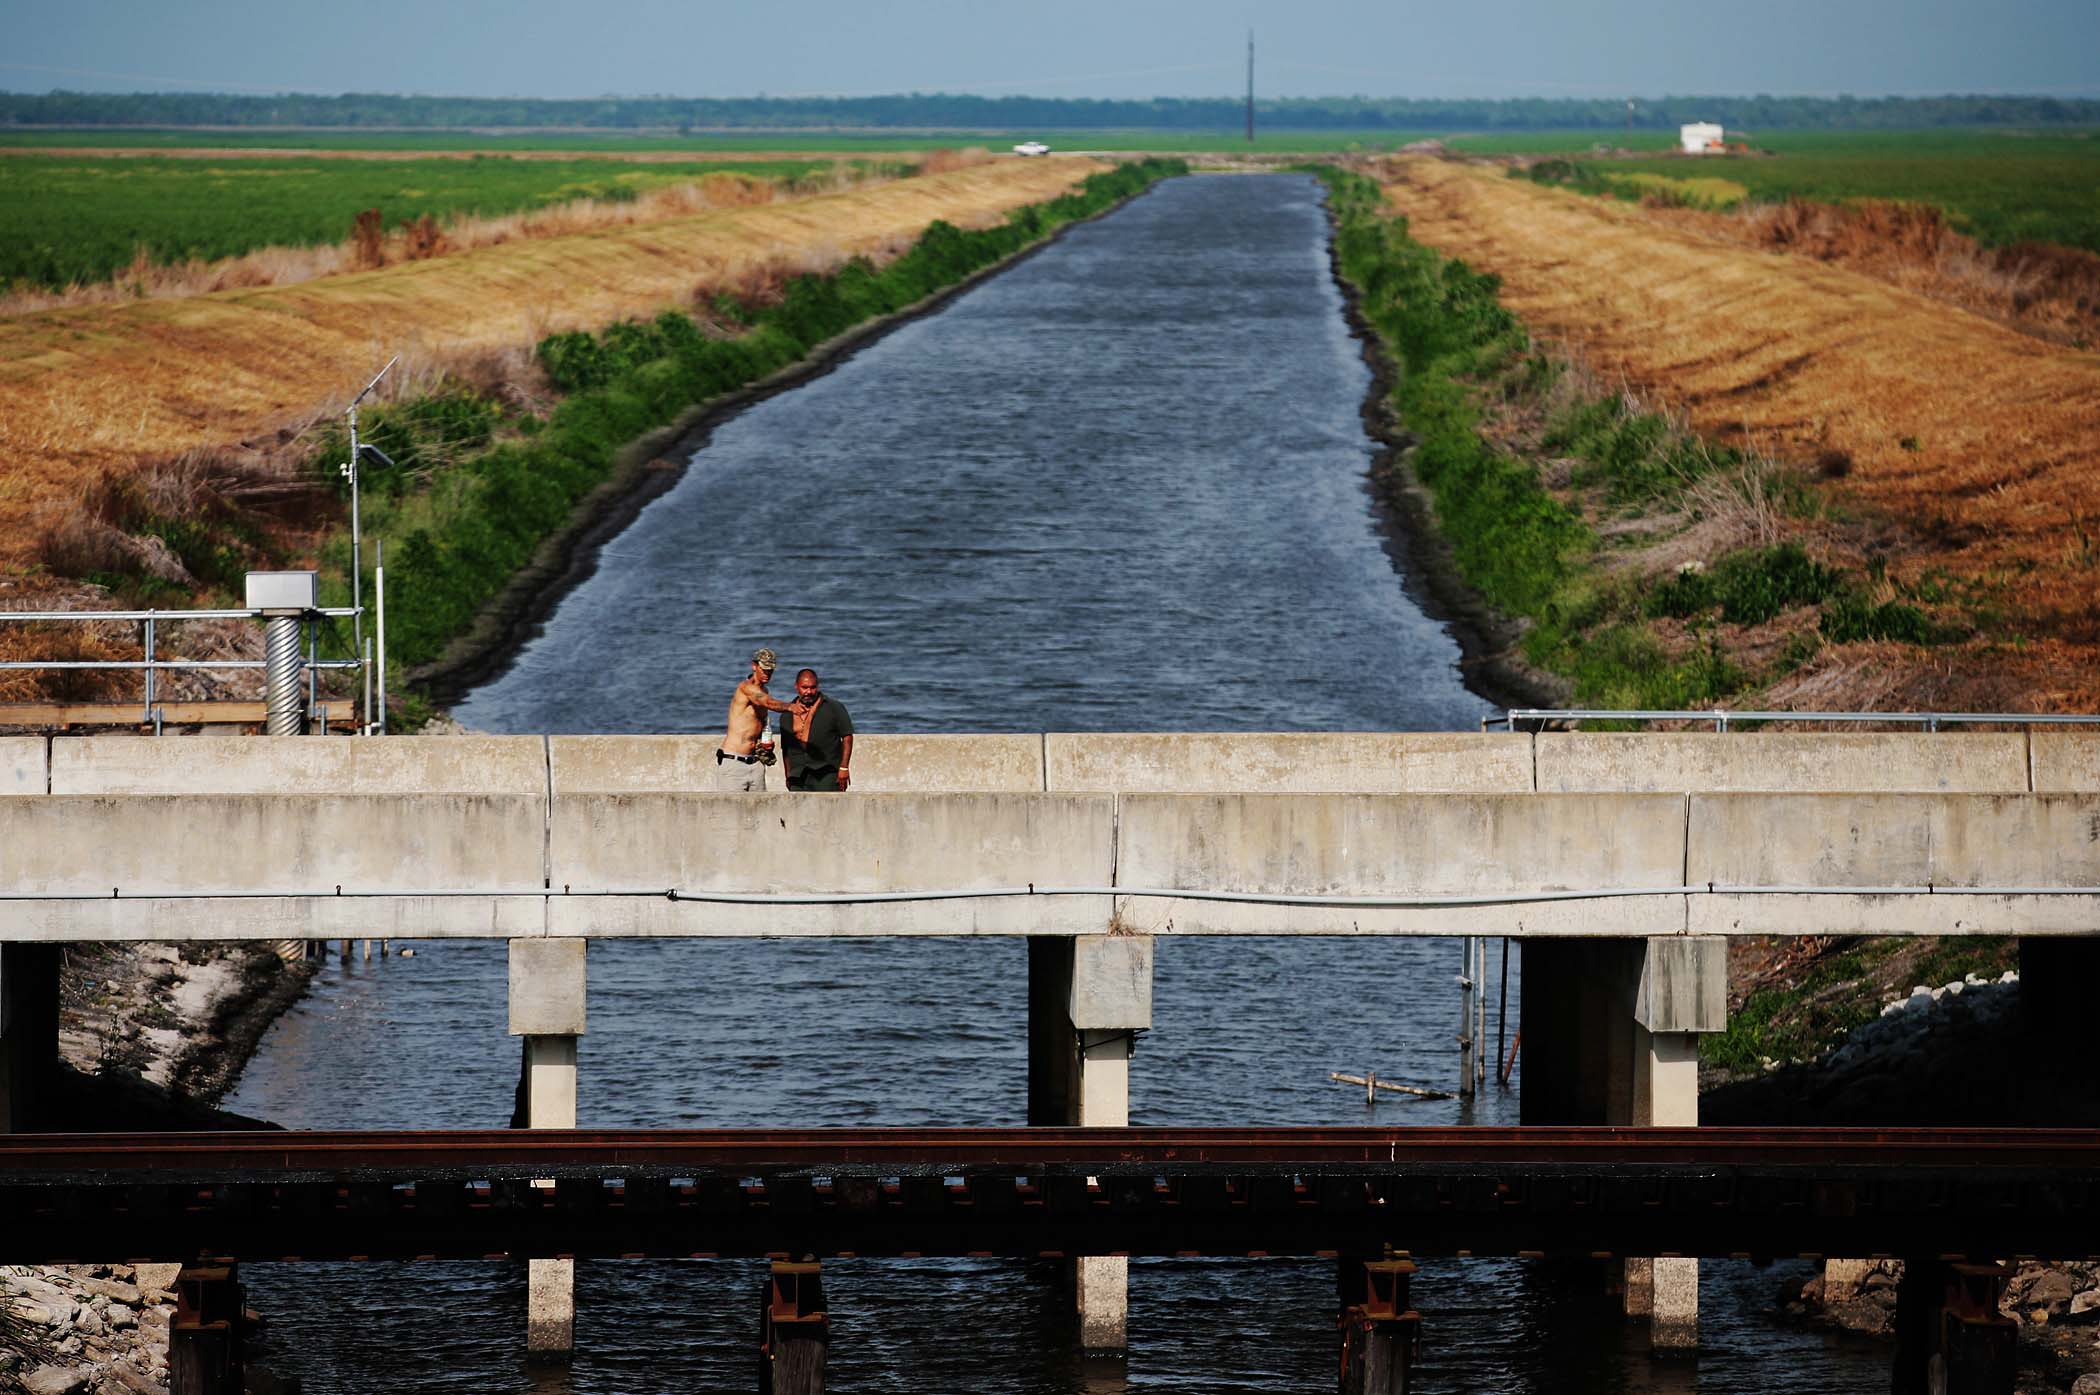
pixel 1149 1151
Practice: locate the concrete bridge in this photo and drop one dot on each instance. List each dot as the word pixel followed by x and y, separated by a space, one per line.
pixel 1621 860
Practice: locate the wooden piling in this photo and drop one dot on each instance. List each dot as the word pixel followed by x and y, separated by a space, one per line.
pixel 794 1330
pixel 204 1337
pixel 1381 1335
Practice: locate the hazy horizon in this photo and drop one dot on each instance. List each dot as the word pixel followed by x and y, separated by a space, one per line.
pixel 1080 49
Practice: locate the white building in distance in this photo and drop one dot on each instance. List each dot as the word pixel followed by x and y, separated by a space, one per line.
pixel 1701 137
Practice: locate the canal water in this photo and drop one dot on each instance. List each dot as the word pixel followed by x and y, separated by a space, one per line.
pixel 1119 487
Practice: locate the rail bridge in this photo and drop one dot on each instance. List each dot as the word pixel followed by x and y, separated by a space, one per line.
pixel 1621 861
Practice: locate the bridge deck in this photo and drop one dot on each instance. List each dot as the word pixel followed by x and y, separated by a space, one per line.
pixel 1979 1194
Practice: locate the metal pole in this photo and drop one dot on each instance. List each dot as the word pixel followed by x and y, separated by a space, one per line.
pixel 149 668
pixel 1465 1018
pixel 367 709
pixel 1502 1008
pixel 1480 1012
pixel 379 575
pixel 313 673
pixel 281 660
pixel 357 545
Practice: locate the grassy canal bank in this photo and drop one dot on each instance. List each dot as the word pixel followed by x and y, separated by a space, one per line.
pixel 1637 563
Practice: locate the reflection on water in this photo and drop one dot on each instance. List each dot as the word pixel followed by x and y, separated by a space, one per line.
pixel 1119 487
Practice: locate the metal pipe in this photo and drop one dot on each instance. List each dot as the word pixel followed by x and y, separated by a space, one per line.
pixel 1465 1018
pixel 28 616
pixel 1502 1009
pixel 379 578
pixel 163 663
pixel 313 675
pixel 149 668
pixel 367 710
pixel 281 685
pixel 1721 717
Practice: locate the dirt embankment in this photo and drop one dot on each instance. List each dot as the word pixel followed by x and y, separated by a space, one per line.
pixel 1956 451
pixel 98 389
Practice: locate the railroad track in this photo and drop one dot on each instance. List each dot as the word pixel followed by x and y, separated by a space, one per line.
pixel 1967 1193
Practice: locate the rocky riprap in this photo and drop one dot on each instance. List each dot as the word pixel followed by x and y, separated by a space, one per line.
pixel 92 1329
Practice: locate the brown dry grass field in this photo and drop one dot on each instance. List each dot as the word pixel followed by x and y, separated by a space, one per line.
pixel 300 152
pixel 1977 445
pixel 108 388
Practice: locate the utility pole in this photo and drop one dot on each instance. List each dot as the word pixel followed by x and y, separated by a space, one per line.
pixel 1250 87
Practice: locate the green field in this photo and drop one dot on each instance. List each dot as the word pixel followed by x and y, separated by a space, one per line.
pixel 701 143
pixel 2000 186
pixel 67 219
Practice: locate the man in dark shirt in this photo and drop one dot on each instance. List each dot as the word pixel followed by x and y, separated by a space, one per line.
pixel 816 738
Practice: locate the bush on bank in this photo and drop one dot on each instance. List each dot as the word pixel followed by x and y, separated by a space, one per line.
pixel 474 491
pixel 1531 551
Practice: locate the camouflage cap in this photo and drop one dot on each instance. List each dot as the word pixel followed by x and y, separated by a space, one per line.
pixel 765 659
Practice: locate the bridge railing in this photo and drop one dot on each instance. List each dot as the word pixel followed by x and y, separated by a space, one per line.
pixel 1537 717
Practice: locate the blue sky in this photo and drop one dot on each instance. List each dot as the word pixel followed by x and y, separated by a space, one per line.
pixel 1073 48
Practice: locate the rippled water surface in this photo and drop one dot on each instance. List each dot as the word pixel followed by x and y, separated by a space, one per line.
pixel 1119 487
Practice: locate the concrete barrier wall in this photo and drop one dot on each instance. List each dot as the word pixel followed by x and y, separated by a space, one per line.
pixel 299 765
pixel 183 854
pixel 1290 762
pixel 1401 846
pixel 881 764
pixel 791 843
pixel 2066 761
pixel 1867 841
pixel 21 765
pixel 1783 761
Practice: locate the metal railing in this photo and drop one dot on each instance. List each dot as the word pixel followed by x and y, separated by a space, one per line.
pixel 150 666
pixel 1721 717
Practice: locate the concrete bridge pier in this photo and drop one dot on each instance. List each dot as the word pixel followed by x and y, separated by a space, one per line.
pixel 1088 998
pixel 28 1032
pixel 1611 1031
pixel 546 1009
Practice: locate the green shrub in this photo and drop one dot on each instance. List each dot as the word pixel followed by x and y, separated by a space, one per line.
pixel 1749 587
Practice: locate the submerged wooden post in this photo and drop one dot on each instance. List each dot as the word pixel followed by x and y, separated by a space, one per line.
pixel 794 1330
pixel 1381 1335
pixel 204 1337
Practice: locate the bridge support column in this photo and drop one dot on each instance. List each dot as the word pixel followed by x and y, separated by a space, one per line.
pixel 28 1032
pixel 1950 1337
pixel 1088 998
pixel 2057 978
pixel 1381 1335
pixel 204 1336
pixel 794 1331
pixel 546 1009
pixel 1682 992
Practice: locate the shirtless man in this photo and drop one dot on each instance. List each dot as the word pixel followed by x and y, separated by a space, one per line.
pixel 738 768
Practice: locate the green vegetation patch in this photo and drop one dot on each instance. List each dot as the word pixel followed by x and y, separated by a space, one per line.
pixel 1623 638
pixel 67 220
pixel 1999 186
pixel 1842 991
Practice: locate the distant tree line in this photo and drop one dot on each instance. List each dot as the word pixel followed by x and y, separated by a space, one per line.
pixel 942 112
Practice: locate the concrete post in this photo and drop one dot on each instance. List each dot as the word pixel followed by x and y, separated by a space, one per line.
pixel 547 1010
pixel 1682 992
pixel 1088 997
pixel 28 1032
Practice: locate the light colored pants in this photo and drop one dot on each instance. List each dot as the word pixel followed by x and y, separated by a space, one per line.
pixel 740 777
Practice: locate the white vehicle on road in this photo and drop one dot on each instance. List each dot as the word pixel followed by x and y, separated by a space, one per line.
pixel 1031 147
